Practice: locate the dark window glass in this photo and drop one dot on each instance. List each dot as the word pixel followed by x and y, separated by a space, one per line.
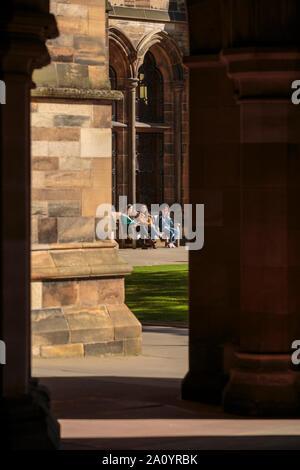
pixel 114 169
pixel 149 168
pixel 149 92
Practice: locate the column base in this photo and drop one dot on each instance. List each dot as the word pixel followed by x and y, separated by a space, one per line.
pixel 264 386
pixel 204 388
pixel 78 304
pixel 27 421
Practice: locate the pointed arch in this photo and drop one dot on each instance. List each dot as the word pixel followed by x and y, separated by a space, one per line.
pixel 122 54
pixel 165 46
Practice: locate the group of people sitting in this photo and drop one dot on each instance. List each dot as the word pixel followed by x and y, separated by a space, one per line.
pixel 148 228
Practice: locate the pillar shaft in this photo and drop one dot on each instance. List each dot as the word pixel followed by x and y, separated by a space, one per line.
pixel 16 233
pixel 262 382
pixel 132 84
pixel 244 154
pixel 25 413
pixel 214 271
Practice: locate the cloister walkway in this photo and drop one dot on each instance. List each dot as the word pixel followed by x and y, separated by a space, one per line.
pixel 134 403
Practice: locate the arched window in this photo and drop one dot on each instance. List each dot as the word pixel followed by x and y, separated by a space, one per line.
pixel 150 92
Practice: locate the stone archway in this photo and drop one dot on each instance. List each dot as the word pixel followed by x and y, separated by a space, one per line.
pixel 126 62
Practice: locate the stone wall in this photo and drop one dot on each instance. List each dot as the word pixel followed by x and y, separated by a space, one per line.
pixel 77 282
pixel 71 169
pixel 71 127
pixel 79 54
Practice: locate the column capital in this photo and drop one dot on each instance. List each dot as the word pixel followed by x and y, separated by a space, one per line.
pixel 132 83
pixel 26 34
pixel 262 73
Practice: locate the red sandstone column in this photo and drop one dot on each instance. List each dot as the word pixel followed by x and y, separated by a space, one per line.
pixel 262 382
pixel 24 411
pixel 214 271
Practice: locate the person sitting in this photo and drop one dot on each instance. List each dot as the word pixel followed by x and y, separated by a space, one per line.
pixel 147 227
pixel 166 227
pixel 128 221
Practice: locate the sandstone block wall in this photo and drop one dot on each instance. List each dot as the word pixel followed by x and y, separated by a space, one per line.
pixel 71 127
pixel 79 54
pixel 71 169
pixel 77 282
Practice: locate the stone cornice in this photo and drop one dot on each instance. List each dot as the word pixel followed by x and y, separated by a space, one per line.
pixel 77 93
pixel 146 14
pixel 81 260
pixel 262 72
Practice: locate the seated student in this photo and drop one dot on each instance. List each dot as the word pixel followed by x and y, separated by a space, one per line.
pixel 128 220
pixel 148 230
pixel 166 226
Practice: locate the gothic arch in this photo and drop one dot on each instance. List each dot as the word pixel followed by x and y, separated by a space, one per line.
pixel 122 54
pixel 167 54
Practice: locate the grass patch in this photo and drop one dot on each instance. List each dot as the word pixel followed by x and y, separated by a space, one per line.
pixel 158 293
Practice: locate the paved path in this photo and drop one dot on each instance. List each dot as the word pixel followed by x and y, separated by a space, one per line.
pixel 134 403
pixel 150 257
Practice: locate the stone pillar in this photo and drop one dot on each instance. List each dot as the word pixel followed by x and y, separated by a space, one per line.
pixel 214 271
pixel 25 415
pixel 262 383
pixel 178 89
pixel 244 166
pixel 132 84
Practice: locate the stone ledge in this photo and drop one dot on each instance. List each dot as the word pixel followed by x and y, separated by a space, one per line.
pixel 77 261
pixel 77 93
pixel 146 14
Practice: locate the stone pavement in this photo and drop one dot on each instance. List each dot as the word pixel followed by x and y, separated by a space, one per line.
pixel 150 257
pixel 134 403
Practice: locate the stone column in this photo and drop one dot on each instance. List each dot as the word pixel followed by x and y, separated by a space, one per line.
pixel 24 408
pixel 177 90
pixel 262 382
pixel 244 166
pixel 131 86
pixel 214 271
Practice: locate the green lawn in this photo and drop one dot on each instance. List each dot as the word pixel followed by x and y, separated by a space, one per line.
pixel 159 293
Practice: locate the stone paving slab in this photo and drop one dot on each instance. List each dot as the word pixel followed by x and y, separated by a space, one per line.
pixel 150 257
pixel 134 403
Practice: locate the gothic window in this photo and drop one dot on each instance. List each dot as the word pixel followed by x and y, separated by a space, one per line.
pixel 149 92
pixel 114 168
pixel 149 168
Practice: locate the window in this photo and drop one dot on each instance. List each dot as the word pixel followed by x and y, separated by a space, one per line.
pixel 114 168
pixel 149 92
pixel 149 168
